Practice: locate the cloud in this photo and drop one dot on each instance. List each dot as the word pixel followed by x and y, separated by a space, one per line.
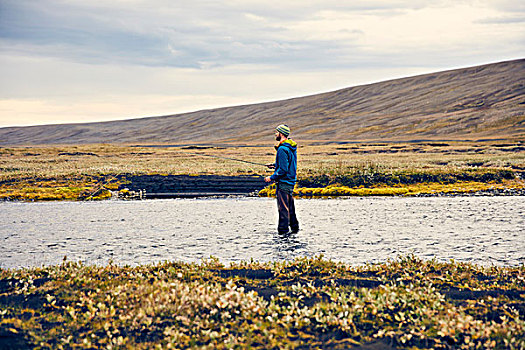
pixel 501 20
pixel 307 35
pixel 194 34
pixel 61 52
pixel 177 36
pixel 53 29
pixel 507 6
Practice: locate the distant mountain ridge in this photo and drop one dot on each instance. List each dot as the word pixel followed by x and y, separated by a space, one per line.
pixel 482 102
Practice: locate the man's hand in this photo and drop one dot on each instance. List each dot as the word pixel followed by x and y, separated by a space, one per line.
pixel 267 179
pixel 270 166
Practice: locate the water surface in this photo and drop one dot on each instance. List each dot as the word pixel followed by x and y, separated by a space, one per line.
pixel 483 230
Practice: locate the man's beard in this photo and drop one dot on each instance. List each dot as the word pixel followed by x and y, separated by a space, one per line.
pixel 278 138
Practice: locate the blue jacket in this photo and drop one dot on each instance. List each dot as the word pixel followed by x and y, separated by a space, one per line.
pixel 286 163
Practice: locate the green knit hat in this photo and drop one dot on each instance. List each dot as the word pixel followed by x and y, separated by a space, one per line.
pixel 283 129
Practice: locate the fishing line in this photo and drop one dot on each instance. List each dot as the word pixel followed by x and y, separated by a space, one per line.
pixel 227 158
pixel 186 153
pixel 100 187
pixel 110 179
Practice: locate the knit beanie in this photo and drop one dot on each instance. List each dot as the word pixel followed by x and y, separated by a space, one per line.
pixel 283 129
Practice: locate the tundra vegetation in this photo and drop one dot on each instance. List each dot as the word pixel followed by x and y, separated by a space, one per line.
pixel 91 171
pixel 306 303
pixel 406 303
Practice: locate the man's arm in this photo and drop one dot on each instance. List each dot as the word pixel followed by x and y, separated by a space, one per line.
pixel 277 166
pixel 270 166
pixel 281 166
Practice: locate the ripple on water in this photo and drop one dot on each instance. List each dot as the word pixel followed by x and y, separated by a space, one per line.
pixel 484 230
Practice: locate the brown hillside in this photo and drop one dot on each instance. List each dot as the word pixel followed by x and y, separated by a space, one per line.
pixel 484 102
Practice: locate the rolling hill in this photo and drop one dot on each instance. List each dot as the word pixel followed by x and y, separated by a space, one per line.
pixel 482 102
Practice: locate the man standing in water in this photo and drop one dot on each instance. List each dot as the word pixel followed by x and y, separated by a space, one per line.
pixel 285 175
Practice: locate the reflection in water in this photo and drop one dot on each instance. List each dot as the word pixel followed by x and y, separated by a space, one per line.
pixel 484 230
pixel 289 246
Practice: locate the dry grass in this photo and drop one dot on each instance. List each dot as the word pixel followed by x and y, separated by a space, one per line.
pixel 64 161
pixel 82 167
pixel 395 158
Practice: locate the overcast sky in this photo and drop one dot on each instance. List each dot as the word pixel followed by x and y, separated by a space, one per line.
pixel 93 60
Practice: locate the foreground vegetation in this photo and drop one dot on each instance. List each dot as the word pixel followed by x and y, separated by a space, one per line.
pixel 306 303
pixel 90 171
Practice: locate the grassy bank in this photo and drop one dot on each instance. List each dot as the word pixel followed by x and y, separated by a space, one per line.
pixel 77 172
pixel 406 184
pixel 306 303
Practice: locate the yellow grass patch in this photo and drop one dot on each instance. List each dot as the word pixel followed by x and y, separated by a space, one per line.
pixel 407 190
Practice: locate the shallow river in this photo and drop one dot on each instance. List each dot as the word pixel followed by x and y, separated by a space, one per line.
pixel 483 230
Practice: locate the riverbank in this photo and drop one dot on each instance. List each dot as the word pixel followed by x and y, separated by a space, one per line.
pixel 490 183
pixel 128 186
pixel 95 171
pixel 406 303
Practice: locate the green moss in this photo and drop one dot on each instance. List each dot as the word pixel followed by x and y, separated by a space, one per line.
pixel 61 188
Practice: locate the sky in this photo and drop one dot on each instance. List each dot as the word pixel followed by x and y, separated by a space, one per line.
pixel 69 61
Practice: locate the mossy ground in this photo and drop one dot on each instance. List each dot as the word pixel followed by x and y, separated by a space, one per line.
pixel 45 189
pixel 307 303
pixel 416 189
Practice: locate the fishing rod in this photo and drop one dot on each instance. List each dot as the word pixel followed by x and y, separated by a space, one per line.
pixel 227 158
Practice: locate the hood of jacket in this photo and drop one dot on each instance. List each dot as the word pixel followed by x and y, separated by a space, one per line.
pixel 288 143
